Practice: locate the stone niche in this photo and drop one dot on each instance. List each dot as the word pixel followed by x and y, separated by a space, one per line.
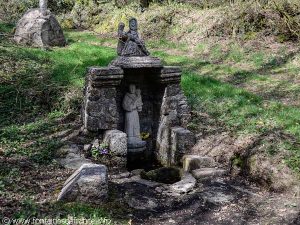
pixel 164 115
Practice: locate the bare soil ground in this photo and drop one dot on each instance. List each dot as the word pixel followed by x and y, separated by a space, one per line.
pixel 219 202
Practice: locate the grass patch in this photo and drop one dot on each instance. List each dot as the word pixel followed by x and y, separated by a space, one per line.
pixel 210 88
pixel 67 212
pixel 37 87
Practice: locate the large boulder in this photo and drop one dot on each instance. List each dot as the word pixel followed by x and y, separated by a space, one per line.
pixel 88 184
pixel 40 29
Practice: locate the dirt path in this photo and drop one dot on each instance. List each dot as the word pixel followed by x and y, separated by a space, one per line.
pixel 226 201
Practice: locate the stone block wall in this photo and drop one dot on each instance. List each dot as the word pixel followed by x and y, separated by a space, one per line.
pixel 173 139
pixel 100 110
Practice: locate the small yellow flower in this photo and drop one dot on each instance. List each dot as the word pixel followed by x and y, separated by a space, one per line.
pixel 145 135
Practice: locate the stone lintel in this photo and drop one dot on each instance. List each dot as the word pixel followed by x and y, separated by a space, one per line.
pixel 105 76
pixel 104 71
pixel 136 62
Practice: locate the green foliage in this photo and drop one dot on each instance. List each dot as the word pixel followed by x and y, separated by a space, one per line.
pixel 31 140
pixel 11 11
pixel 100 151
pixel 267 16
pixel 61 6
pixel 237 161
pixel 58 76
pixel 293 160
pixel 237 108
pixel 65 212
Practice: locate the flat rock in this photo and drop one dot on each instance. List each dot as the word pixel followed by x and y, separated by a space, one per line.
pixel 125 180
pixel 120 175
pixel 193 162
pixel 186 184
pixel 136 172
pixel 205 173
pixel 88 184
pixel 148 183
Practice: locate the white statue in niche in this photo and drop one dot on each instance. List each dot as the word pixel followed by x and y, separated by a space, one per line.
pixel 132 104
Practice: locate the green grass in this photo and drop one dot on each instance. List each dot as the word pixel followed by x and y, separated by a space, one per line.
pixel 6 28
pixel 239 109
pixel 37 87
pixel 210 85
pixel 66 212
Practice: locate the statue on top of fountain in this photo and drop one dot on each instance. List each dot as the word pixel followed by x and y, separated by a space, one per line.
pixel 130 43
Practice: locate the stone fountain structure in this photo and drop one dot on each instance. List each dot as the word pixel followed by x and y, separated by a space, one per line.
pixel 136 109
pixel 39 28
pixel 136 94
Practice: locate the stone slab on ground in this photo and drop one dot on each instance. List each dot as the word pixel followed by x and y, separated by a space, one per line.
pixel 88 184
pixel 205 173
pixel 193 162
pixel 186 184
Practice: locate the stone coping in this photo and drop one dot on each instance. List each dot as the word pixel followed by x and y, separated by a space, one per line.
pixel 136 62
pixel 104 71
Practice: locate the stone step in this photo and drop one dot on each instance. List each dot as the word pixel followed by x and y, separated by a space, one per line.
pixel 205 173
pixel 186 184
pixel 193 162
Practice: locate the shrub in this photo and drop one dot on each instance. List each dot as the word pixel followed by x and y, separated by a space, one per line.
pixel 11 11
pixel 281 18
